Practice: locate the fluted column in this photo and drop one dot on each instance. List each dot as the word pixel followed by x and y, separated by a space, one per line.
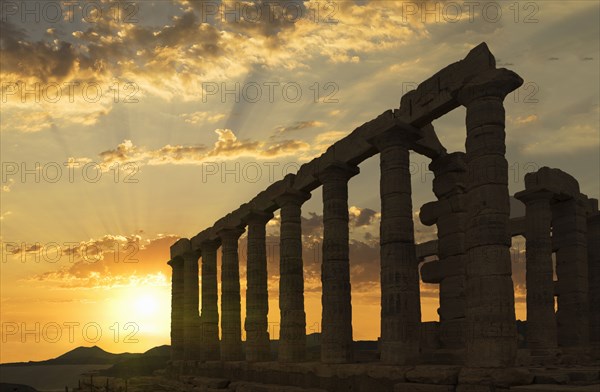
pixel 177 308
pixel 449 187
pixel 336 325
pixel 400 297
pixel 593 232
pixel 257 294
pixel 491 338
pixel 570 239
pixel 541 319
pixel 210 311
pixel 231 324
pixel 191 317
pixel 292 336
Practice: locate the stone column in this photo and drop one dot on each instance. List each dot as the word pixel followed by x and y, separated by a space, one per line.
pixel 593 233
pixel 257 294
pixel 210 311
pixel 177 308
pixel 336 324
pixel 231 323
pixel 491 336
pixel 191 317
pixel 400 297
pixel 449 187
pixel 541 319
pixel 570 239
pixel 292 336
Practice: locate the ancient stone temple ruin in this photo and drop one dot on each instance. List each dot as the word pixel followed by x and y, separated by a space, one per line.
pixel 474 345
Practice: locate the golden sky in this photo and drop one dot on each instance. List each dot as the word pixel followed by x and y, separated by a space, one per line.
pixel 127 125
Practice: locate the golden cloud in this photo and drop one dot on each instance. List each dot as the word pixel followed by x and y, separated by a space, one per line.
pixel 227 146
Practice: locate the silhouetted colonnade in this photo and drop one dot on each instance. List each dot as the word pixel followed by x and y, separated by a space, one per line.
pixel 474 237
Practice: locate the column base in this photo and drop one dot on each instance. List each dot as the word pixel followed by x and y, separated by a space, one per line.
pixel 292 352
pixel 541 356
pixel 444 357
pixel 212 353
pixel 337 356
pixel 231 353
pixel 399 353
pixel 595 350
pixel 575 355
pixel 258 352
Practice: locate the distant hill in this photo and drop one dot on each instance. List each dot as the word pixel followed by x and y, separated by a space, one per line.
pixel 80 356
pixel 143 365
pixel 90 355
pixel 6 387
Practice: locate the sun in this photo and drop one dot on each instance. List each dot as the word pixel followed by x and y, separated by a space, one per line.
pixel 146 305
pixel 137 318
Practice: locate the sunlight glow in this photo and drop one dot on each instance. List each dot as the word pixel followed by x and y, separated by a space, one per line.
pixel 146 305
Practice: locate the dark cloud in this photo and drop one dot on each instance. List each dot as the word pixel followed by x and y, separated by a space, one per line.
pixel 312 226
pixel 41 60
pixel 364 217
pixel 252 17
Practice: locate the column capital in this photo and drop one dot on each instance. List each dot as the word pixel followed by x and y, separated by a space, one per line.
pixel 492 83
pixel 292 196
pixel 175 262
pixel 257 216
pixel 529 196
pixel 181 246
pixel 230 233
pixel 582 202
pixel 453 162
pixel 337 170
pixel 210 244
pixel 193 254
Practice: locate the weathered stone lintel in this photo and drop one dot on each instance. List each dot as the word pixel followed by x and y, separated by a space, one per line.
pixel 436 96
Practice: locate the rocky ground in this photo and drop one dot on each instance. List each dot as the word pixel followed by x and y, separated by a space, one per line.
pixel 432 378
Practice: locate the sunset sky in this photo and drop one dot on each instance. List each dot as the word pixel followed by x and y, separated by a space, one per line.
pixel 127 125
